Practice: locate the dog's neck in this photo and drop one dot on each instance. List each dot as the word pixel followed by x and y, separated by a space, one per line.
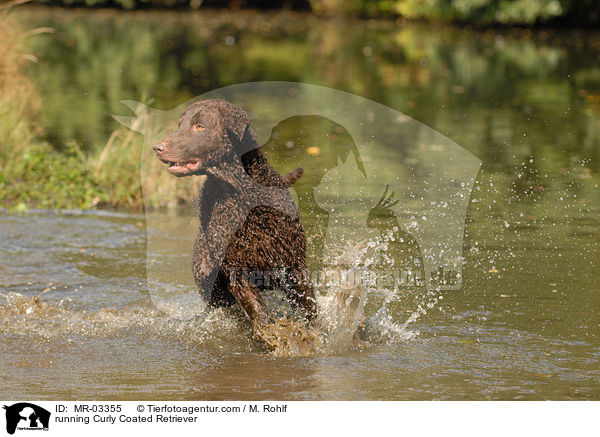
pixel 226 198
pixel 235 181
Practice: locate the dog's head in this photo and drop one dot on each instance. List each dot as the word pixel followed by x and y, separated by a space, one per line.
pixel 211 133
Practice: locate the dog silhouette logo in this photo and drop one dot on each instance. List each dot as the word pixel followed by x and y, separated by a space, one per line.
pixel 371 173
pixel 26 416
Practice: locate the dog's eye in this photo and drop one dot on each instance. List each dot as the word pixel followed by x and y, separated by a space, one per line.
pixel 198 126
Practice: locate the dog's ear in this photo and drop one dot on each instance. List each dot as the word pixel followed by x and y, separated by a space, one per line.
pixel 237 126
pixel 235 119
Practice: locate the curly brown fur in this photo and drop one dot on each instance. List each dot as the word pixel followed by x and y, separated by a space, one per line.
pixel 250 236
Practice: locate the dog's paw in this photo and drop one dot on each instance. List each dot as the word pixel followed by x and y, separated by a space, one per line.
pixel 286 338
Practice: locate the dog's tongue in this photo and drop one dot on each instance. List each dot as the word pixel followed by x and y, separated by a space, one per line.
pixel 184 168
pixel 192 165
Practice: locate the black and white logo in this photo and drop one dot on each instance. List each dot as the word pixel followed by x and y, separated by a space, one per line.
pixel 26 416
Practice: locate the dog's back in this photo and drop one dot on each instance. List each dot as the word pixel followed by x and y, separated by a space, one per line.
pixel 269 249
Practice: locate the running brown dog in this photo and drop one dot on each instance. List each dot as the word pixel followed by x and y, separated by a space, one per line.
pixel 250 236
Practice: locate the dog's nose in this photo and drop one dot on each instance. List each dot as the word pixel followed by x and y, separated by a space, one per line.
pixel 159 147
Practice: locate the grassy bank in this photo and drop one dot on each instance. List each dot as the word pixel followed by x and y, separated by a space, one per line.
pixel 32 172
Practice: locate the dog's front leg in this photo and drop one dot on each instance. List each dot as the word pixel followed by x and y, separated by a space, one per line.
pixel 251 302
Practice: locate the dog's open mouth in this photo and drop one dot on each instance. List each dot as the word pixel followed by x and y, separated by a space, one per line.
pixel 182 168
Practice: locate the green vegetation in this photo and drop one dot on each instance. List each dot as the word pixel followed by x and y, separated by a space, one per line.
pixel 31 172
pixel 471 11
pixel 510 12
pixel 503 11
pixel 126 4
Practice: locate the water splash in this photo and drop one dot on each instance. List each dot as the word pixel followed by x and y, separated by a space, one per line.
pixel 341 308
pixel 342 326
pixel 344 318
pixel 31 318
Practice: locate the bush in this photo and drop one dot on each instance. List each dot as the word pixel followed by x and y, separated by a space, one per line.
pixel 574 12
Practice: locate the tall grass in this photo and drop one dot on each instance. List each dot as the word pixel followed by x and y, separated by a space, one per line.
pixel 130 176
pixel 18 101
pixel 34 174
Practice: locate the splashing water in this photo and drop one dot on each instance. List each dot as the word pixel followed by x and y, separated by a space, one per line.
pixel 28 318
pixel 343 317
pixel 341 309
pixel 341 326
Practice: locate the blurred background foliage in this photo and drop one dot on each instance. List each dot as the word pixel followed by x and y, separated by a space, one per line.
pixel 504 94
pixel 510 12
pixel 524 12
pixel 92 62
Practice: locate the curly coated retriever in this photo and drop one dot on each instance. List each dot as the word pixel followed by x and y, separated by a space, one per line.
pixel 250 236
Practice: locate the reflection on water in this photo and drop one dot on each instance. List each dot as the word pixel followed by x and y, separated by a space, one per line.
pixel 524 324
pixel 502 95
